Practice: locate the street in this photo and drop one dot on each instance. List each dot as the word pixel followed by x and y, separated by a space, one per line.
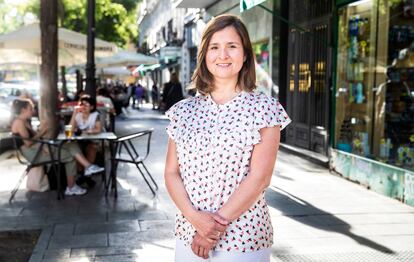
pixel 317 216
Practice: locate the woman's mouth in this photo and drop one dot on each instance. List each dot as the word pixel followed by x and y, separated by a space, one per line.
pixel 224 65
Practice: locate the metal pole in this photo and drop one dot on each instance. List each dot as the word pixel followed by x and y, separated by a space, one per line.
pixel 90 64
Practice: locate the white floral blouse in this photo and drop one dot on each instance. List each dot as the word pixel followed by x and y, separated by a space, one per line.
pixel 214 146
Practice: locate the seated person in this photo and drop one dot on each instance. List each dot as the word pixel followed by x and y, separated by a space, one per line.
pixel 85 119
pixel 21 126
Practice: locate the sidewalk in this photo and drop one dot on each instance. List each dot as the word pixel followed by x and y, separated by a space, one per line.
pixel 316 216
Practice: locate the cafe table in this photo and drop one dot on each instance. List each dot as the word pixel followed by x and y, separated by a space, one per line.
pixel 102 137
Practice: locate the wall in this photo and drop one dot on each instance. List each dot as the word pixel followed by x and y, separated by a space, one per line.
pixel 385 179
pixel 258 21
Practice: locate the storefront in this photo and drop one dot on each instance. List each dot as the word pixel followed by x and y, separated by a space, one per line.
pixel 373 134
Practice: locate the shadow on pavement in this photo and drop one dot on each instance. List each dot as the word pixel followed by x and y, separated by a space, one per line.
pixel 300 209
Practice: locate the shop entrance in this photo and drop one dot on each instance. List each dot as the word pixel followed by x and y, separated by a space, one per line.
pixel 309 65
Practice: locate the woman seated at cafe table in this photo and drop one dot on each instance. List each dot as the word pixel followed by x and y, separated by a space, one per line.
pixel 85 120
pixel 70 153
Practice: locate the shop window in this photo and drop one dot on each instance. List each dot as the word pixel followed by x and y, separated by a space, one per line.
pixel 395 94
pixel 375 81
pixel 263 80
pixel 355 78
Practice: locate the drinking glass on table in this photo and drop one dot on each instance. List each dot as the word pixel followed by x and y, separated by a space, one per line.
pixel 68 131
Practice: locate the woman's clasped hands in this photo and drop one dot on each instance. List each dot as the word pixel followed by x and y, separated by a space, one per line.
pixel 209 228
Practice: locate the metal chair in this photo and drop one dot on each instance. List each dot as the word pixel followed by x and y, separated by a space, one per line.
pixel 125 142
pixel 44 145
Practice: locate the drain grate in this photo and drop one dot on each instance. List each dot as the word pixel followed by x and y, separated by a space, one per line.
pixel 17 246
pixel 403 256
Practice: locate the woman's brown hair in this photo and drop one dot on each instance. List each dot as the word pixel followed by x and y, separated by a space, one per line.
pixel 202 79
pixel 18 105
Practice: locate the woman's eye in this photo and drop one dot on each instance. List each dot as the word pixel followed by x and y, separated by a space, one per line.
pixel 213 48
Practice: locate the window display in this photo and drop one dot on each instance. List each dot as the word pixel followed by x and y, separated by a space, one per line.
pixel 375 81
pixel 355 78
pixel 397 143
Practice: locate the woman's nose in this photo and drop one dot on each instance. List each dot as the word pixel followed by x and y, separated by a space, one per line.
pixel 223 53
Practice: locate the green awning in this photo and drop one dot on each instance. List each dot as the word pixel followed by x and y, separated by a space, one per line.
pixel 247 4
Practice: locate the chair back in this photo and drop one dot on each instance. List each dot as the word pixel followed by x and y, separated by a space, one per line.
pixel 127 143
pixel 17 143
pixel 44 146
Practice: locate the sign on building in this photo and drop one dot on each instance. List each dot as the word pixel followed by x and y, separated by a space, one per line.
pixel 247 4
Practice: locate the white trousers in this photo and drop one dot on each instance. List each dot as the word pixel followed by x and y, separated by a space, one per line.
pixel 185 254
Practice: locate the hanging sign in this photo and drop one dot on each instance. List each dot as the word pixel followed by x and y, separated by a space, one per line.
pixel 247 4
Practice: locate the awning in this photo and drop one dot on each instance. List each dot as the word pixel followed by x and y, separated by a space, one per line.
pixel 247 4
pixel 72 45
pixel 140 70
pixel 125 58
pixel 169 53
pixel 193 3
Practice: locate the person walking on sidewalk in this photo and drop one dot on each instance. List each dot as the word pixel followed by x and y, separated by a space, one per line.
pixel 21 126
pixel 139 94
pixel 221 152
pixel 172 92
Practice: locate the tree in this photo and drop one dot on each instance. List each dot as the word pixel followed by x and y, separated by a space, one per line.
pixel 13 16
pixel 115 20
pixel 49 67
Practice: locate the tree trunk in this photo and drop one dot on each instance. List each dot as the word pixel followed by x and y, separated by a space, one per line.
pixel 49 67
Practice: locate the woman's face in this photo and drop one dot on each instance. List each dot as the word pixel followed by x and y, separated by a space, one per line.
pixel 28 111
pixel 225 54
pixel 86 107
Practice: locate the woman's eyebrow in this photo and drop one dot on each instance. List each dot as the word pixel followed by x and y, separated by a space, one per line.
pixel 227 43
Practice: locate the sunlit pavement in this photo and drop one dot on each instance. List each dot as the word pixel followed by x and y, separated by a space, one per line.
pixel 316 216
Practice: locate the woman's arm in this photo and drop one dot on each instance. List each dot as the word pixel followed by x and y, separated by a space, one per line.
pixel 204 222
pixel 19 127
pixel 41 131
pixel 261 169
pixel 72 121
pixel 97 128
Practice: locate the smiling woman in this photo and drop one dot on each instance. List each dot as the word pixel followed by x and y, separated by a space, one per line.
pixel 221 153
pixel 225 55
pixel 235 49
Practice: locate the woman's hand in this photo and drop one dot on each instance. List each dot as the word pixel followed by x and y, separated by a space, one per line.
pixel 78 109
pixel 201 246
pixel 42 130
pixel 208 225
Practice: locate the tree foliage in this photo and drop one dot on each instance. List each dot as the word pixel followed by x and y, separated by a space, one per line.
pixel 13 16
pixel 115 20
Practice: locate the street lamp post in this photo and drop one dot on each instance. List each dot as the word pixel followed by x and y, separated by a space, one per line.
pixel 90 63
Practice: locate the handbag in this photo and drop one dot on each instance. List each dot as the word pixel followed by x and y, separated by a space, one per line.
pixel 37 179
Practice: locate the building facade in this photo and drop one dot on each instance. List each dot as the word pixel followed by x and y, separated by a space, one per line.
pixel 161 35
pixel 343 69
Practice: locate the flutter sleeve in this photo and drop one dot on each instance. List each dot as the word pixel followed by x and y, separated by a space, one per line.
pixel 268 113
pixel 174 115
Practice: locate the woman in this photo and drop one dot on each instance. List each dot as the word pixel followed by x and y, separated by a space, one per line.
pixel 85 119
pixel 23 111
pixel 221 152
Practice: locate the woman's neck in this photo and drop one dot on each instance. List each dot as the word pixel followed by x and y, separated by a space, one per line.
pixel 23 118
pixel 224 91
pixel 224 95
